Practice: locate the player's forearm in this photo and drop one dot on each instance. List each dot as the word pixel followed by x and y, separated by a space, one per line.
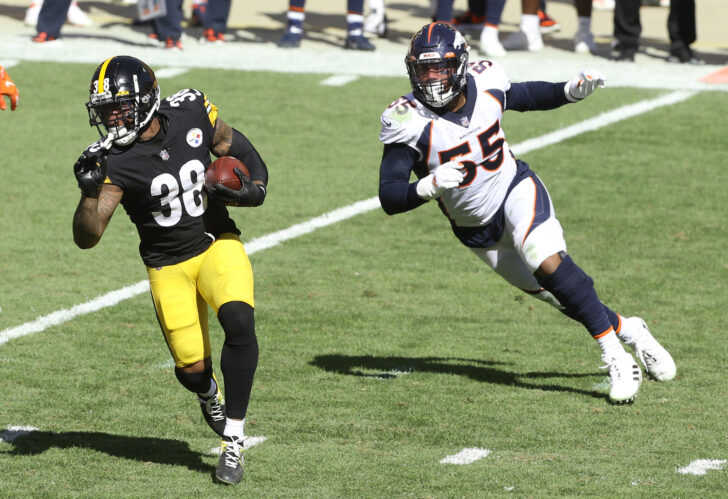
pixel 87 225
pixel 535 96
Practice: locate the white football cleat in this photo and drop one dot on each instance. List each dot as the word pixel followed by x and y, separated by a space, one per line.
pixel 657 361
pixel 625 376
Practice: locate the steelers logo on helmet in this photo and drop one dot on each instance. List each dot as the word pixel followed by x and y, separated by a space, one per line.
pixel 437 63
pixel 123 97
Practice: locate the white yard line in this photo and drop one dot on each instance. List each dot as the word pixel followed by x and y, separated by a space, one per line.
pixel 339 80
pixel 466 456
pixel 338 215
pixel 702 466
pixel 170 72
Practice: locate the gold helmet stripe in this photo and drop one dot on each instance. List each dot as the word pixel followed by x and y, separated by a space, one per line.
pixel 102 75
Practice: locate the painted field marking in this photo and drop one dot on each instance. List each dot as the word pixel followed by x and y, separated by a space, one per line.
pixel 339 80
pixel 720 76
pixel 466 456
pixel 8 64
pixel 170 72
pixel 702 466
pixel 340 214
pixel 248 442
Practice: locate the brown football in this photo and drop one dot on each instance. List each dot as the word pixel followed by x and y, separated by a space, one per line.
pixel 221 171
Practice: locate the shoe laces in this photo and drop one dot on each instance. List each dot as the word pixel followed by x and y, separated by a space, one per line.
pixel 213 406
pixel 232 449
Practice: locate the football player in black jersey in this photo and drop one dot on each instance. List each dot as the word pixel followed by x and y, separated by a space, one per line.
pixel 152 158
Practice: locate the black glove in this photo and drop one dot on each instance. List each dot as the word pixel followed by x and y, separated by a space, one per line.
pixel 90 171
pixel 249 194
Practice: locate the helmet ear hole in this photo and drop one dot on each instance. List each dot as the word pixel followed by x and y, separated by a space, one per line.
pixel 123 97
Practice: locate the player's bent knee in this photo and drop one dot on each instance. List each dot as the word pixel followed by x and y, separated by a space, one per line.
pixel 237 319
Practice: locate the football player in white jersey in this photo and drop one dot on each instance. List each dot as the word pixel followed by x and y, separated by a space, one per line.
pixel 447 131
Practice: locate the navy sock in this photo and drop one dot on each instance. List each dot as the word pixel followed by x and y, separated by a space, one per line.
pixel 575 291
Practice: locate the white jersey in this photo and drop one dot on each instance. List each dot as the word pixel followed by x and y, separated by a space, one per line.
pixel 472 136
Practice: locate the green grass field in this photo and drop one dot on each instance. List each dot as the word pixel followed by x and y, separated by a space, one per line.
pixel 385 345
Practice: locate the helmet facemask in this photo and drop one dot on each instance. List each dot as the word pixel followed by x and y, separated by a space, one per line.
pixel 438 82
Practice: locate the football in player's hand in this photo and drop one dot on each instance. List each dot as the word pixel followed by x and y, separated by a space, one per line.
pixel 221 171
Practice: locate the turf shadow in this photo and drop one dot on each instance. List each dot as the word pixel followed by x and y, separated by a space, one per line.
pixel 142 449
pixel 476 369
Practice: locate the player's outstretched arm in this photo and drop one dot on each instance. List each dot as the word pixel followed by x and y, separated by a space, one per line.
pixel 8 88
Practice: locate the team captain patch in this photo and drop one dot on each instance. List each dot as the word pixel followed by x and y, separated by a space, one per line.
pixel 194 137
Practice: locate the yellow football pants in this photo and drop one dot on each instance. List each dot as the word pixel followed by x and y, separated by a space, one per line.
pixel 182 292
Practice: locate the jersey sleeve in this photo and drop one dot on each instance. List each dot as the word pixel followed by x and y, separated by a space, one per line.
pixel 401 124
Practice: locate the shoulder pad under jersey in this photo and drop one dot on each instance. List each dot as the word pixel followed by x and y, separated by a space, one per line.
pixel 489 74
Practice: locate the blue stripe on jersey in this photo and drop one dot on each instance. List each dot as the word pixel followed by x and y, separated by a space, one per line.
pixel 424 141
pixel 542 206
pixel 488 235
pixel 498 95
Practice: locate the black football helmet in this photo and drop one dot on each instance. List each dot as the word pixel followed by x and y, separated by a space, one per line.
pixel 124 95
pixel 437 64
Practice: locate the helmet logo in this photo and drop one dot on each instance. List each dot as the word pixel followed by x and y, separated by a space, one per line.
pixel 194 137
pixel 425 56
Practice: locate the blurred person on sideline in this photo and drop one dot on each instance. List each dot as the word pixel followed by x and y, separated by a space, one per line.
pixel 355 39
pixel 74 16
pixel 447 132
pixel 376 20
pixel 9 90
pixel 49 16
pixel 681 28
pixel 151 159
pixel 535 23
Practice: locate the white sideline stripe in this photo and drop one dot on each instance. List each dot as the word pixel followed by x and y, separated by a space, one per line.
pixel 702 466
pixel 65 315
pixel 340 214
pixel 339 80
pixel 248 442
pixel 8 64
pixel 602 120
pixel 466 456
pixel 10 433
pixel 170 72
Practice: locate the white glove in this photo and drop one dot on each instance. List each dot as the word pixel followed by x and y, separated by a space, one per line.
pixel 583 84
pixel 444 177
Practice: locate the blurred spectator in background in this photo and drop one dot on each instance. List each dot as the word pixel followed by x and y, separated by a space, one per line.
pixel 484 14
pixel 214 21
pixel 354 26
pixel 681 28
pixel 50 18
pixel 528 36
pixel 74 15
pixel 535 23
pixel 168 28
pixel 376 21
pixel 8 88
pixel 547 24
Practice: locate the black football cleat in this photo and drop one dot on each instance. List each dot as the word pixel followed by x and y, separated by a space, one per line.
pixel 213 409
pixel 358 42
pixel 290 40
pixel 230 466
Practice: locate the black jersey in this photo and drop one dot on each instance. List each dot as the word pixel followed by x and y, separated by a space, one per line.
pixel 163 181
